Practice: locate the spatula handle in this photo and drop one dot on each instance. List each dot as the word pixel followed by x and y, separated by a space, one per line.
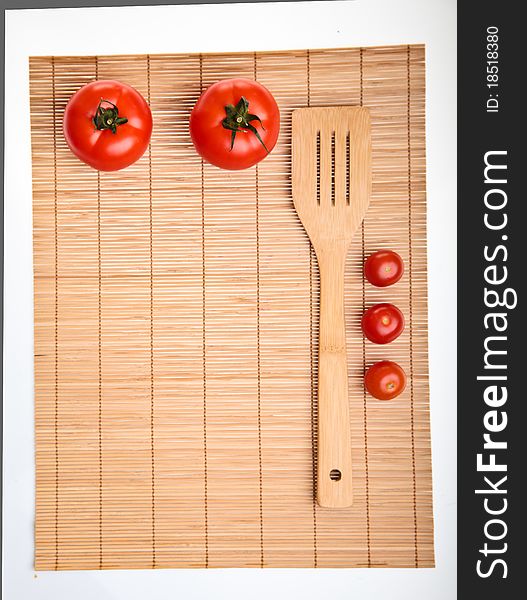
pixel 334 477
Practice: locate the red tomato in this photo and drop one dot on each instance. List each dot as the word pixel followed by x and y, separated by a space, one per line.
pixel 383 268
pixel 382 323
pixel 385 380
pixel 107 124
pixel 235 123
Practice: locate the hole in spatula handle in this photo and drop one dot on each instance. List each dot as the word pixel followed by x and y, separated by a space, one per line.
pixel 335 475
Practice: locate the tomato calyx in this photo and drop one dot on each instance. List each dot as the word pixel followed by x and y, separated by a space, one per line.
pixel 107 117
pixel 239 119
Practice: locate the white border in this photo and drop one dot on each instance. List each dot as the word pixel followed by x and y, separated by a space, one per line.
pixel 205 28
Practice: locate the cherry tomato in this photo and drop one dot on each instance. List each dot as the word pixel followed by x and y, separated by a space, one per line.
pixel 235 123
pixel 382 323
pixel 383 268
pixel 107 124
pixel 385 380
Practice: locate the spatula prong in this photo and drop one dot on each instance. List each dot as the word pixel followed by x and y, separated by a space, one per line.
pixel 341 168
pixel 325 168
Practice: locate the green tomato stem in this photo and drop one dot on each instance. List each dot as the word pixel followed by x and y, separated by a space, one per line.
pixel 107 117
pixel 239 119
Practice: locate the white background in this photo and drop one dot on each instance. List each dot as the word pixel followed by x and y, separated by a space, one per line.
pixel 205 28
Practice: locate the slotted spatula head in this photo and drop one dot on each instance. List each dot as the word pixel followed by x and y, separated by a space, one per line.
pixel 331 171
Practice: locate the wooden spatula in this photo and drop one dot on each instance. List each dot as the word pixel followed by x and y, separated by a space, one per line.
pixel 331 173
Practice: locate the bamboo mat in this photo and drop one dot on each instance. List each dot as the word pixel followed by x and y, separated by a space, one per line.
pixel 176 331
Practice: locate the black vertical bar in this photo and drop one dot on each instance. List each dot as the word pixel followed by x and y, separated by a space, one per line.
pixel 490 128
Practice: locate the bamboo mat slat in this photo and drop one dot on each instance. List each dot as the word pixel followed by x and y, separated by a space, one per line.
pixel 176 324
